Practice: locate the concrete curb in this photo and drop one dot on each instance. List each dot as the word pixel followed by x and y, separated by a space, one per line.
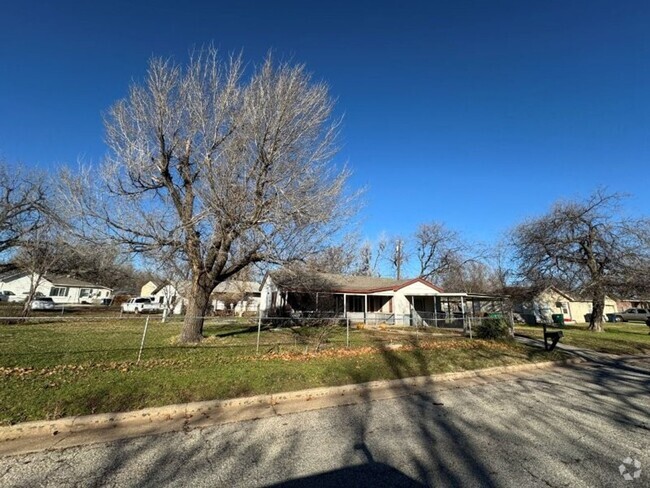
pixel 88 429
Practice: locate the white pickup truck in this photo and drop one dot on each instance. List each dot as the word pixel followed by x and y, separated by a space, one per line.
pixel 140 305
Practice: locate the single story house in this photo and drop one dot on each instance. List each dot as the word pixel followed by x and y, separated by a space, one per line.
pixel 238 296
pixel 368 299
pixel 62 289
pixel 537 305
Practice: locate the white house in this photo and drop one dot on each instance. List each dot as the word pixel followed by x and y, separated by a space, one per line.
pixel 243 296
pixel 539 305
pixel 367 299
pixel 62 289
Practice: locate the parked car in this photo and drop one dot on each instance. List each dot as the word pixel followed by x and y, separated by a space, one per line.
pixel 633 314
pixel 21 297
pixel 42 303
pixel 140 305
pixel 5 295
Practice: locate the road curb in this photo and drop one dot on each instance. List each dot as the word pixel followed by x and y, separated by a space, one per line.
pixel 88 429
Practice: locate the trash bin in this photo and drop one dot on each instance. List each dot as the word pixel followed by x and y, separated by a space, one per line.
pixel 558 318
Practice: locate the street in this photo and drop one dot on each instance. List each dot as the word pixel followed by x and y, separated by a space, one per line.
pixel 570 426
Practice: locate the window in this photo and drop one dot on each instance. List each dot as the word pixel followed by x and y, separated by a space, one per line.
pixel 59 291
pixel 642 310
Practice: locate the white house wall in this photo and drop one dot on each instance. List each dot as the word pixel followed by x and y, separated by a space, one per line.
pixel 24 284
pixel 418 289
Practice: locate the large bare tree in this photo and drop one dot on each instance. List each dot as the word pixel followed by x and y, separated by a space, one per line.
pixel 225 169
pixel 588 244
pixel 23 200
pixel 441 252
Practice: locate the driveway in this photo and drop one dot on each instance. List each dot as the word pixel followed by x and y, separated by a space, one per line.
pixel 568 426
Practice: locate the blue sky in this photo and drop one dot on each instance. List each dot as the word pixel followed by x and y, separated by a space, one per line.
pixel 477 114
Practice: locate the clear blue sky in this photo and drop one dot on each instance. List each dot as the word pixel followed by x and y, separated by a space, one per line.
pixel 474 113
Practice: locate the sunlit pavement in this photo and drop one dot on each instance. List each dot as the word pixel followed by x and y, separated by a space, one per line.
pixel 570 426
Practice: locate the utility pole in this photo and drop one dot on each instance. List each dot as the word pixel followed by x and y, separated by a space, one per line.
pixel 398 258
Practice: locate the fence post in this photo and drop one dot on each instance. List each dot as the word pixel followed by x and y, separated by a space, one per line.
pixel 347 332
pixel 62 308
pixel 259 330
pixel 146 324
pixel 470 328
pixel 164 315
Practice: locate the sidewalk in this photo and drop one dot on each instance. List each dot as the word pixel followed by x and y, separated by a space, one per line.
pixel 577 352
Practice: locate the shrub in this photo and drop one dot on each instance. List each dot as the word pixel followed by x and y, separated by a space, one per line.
pixel 492 328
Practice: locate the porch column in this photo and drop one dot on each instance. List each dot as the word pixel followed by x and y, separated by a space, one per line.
pixel 345 306
pixel 462 311
pixel 412 310
pixel 365 309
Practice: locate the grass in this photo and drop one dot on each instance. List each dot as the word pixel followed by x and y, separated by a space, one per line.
pixel 53 369
pixel 616 338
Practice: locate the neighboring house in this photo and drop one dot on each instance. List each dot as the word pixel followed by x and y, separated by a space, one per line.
pixel 538 305
pixel 148 289
pixel 239 296
pixel 62 289
pixel 366 299
pixel 623 304
pixel 242 295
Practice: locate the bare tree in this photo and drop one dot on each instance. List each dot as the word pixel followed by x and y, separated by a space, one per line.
pixel 38 254
pixel 224 171
pixel 338 259
pixel 22 203
pixel 588 244
pixel 439 251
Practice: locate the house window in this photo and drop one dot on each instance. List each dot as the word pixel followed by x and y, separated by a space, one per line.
pixel 85 292
pixel 59 291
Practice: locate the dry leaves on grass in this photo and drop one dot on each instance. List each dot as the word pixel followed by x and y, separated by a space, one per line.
pixel 80 369
pixel 366 350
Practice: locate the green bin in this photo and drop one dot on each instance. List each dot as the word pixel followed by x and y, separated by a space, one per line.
pixel 558 318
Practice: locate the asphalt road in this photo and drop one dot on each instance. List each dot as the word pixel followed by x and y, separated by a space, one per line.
pixel 563 427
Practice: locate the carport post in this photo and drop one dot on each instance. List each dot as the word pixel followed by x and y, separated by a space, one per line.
pixel 462 312
pixel 347 332
pixel 259 330
pixel 365 310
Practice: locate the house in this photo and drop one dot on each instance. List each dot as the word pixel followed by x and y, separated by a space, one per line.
pixel 62 289
pixel 622 304
pixel 367 299
pixel 238 296
pixel 536 305
pixel 148 289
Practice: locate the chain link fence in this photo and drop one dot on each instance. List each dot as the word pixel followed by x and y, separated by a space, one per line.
pixel 104 334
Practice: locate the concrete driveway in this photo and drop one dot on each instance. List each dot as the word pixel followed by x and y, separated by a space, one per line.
pixel 568 426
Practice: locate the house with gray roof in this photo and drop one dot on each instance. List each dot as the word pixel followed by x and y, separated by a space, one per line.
pixel 62 289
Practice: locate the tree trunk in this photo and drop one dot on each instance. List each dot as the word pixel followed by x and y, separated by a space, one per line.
pixel 197 307
pixel 598 308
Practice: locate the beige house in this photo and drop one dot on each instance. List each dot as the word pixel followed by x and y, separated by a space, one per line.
pixel 148 289
pixel 536 306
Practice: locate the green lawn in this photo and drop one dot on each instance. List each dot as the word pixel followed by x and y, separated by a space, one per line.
pixel 54 369
pixel 617 338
